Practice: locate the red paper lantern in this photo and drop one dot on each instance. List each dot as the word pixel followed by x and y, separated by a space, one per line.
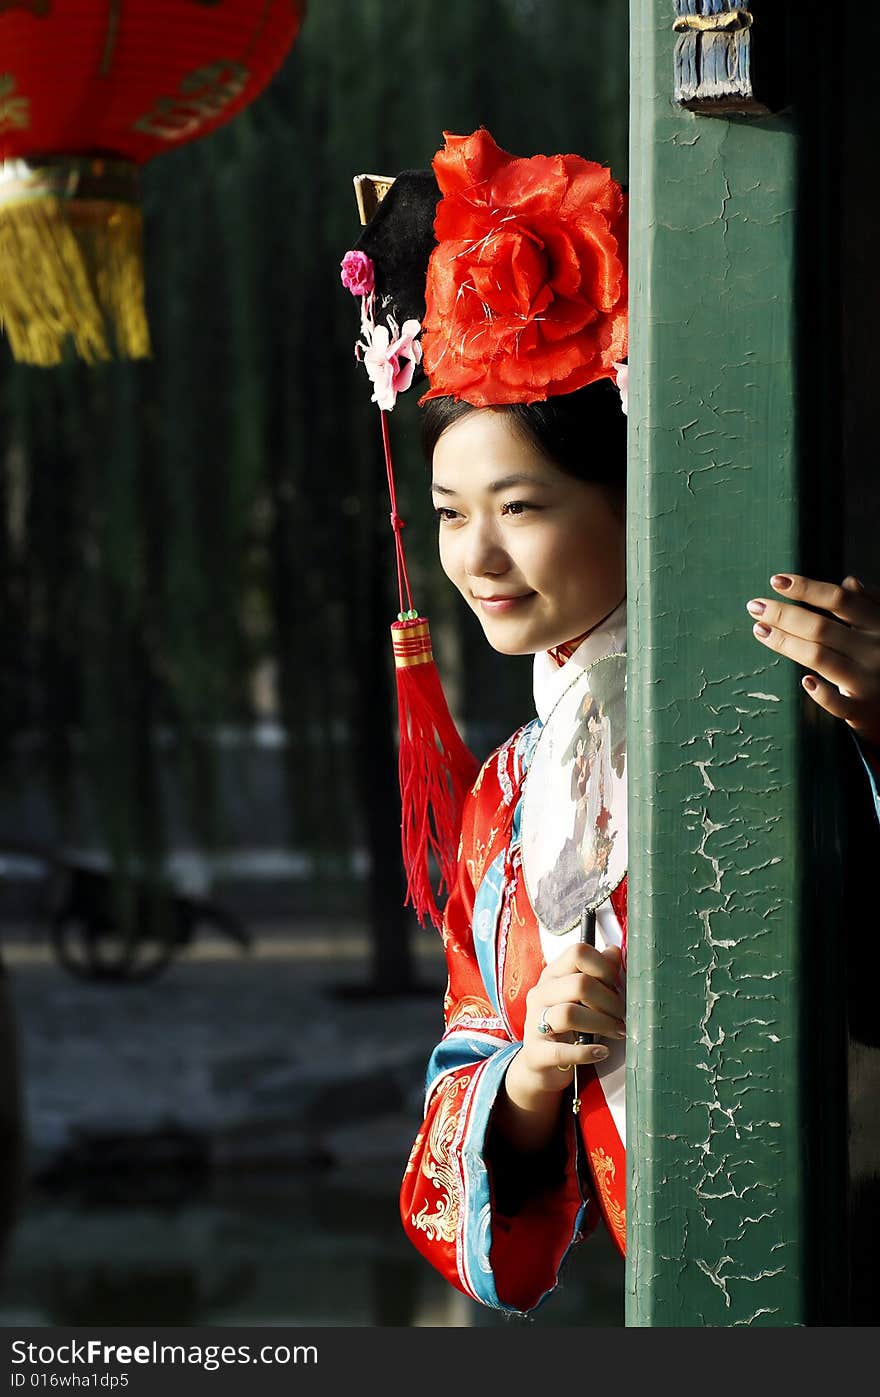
pixel 89 91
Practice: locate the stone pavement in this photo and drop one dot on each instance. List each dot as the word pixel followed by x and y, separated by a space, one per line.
pixel 225 1145
pixel 228 1061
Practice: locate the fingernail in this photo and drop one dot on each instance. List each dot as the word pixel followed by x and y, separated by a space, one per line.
pixel 809 683
pixel 599 1053
pixel 761 630
pixel 852 584
pixel 780 582
pixel 621 1033
pixel 757 608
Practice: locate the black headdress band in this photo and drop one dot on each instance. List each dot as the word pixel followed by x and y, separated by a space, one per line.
pixel 399 239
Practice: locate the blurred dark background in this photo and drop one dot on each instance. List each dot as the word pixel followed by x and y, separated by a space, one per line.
pixel 223 1014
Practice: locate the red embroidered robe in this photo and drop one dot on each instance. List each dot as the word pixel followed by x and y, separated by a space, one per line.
pixel 493 947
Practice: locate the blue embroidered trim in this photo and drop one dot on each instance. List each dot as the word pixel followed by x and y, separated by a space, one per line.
pixel 489 896
pixel 526 744
pixel 477 1230
pixel 459 1050
pixel 487 905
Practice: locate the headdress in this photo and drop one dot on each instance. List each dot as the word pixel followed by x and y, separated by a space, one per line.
pixel 501 280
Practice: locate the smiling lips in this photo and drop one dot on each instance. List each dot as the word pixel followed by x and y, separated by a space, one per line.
pixel 496 605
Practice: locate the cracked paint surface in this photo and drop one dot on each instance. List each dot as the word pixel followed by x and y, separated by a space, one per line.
pixel 715 1183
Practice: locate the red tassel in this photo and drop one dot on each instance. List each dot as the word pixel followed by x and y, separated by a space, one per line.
pixel 436 769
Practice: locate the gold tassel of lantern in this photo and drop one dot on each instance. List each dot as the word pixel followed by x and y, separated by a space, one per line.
pixel 71 259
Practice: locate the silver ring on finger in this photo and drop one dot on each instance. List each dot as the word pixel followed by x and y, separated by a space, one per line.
pixel 543 1026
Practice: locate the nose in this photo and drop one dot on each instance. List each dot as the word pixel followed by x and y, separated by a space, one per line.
pixel 485 555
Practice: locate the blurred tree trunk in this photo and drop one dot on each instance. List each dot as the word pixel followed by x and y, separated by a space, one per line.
pixel 12 1146
pixel 391 959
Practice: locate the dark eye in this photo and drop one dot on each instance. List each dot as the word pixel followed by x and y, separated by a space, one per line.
pixel 515 507
pixel 444 513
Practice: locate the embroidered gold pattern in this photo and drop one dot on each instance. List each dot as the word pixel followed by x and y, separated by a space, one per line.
pixel 438 1166
pixel 604 1170
pixel 515 943
pixel 447 934
pixel 477 865
pixel 414 1153
pixel 471 1006
pixel 482 772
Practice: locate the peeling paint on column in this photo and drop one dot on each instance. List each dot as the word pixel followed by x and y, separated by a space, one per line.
pixel 715 1181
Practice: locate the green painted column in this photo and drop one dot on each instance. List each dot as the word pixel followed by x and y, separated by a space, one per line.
pixel 718 1112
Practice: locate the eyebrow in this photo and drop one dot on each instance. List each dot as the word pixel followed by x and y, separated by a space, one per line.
pixel 497 485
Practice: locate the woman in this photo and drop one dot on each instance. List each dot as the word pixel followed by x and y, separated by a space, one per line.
pixel 524 330
pixel 495 1191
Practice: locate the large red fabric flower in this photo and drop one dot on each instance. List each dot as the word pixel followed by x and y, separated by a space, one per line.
pixel 526 294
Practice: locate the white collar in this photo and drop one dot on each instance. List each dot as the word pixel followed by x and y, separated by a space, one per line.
pixel 550 680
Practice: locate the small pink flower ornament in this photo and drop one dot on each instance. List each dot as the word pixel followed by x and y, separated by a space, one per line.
pixel 622 381
pixel 357 273
pixel 390 356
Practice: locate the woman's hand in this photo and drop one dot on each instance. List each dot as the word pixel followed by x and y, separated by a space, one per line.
pixel 576 993
pixel 834 632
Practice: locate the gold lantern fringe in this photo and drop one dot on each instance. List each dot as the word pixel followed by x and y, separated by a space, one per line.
pixel 71 265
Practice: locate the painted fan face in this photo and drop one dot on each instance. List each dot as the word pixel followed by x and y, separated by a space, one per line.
pixel 574 827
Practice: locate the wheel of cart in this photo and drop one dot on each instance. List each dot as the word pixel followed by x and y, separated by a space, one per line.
pixel 92 941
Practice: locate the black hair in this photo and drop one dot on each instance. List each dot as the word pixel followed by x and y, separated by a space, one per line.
pixel 583 433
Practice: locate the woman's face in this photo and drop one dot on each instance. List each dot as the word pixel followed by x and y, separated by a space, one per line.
pixel 538 555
